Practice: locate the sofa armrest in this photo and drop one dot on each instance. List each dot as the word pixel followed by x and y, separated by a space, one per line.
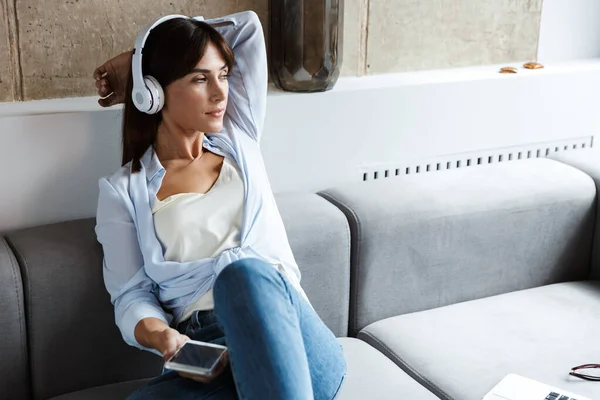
pixel 14 381
pixel 587 161
pixel 423 241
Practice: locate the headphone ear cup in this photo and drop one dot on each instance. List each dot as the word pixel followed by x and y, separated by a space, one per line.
pixel 156 93
pixel 141 98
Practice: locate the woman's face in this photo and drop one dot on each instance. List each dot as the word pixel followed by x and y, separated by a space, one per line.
pixel 197 101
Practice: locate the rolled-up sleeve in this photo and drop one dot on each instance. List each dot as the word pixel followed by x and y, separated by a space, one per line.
pixel 249 78
pixel 131 291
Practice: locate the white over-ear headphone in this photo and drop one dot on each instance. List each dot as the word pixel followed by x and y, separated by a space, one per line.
pixel 147 94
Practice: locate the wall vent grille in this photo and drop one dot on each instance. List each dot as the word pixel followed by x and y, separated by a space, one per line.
pixel 472 159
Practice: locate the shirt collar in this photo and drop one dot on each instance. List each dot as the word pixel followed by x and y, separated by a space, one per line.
pixel 151 163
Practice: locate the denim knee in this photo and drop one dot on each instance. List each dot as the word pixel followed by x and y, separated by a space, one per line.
pixel 242 270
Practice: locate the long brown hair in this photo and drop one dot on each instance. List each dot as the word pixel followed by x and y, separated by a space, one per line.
pixel 172 50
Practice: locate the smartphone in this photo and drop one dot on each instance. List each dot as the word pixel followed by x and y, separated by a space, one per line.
pixel 196 357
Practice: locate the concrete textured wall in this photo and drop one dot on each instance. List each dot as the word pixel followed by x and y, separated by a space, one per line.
pixel 50 50
pixel 408 35
pixel 62 42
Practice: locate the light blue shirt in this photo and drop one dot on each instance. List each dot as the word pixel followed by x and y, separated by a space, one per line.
pixel 140 281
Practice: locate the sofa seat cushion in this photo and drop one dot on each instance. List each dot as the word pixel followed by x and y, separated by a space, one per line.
pixel 371 375
pixel 461 351
pixel 115 391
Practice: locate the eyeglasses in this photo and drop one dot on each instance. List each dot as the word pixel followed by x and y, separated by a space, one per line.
pixel 594 377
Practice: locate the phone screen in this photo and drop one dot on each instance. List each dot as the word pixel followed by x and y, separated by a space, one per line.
pixel 198 355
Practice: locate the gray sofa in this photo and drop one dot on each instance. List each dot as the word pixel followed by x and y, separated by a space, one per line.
pixel 437 285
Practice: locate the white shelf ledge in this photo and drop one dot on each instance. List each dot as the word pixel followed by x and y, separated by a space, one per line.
pixel 479 73
pixel 86 104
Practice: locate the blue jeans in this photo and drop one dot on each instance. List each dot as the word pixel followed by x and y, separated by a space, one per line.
pixel 279 348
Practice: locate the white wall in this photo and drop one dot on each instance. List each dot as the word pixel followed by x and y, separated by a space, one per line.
pixel 331 135
pixel 570 30
pixel 51 163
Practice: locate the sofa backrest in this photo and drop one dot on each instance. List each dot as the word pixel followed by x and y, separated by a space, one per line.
pixel 13 339
pixel 73 341
pixel 428 240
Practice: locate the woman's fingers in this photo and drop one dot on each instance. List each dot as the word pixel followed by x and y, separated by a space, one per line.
pixel 110 99
pixel 111 77
pixel 221 366
pixel 170 349
pixel 216 372
pixel 104 91
pixel 107 101
pixel 100 72
pixel 224 359
pixel 101 82
pixel 183 339
pixel 197 378
pixel 174 340
pixel 103 87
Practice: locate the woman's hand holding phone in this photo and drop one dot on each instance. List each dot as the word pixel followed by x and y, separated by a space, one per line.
pixel 169 340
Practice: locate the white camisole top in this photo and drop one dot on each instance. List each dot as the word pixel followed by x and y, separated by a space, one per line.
pixel 193 226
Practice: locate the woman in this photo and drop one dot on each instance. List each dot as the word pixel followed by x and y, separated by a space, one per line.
pixel 194 246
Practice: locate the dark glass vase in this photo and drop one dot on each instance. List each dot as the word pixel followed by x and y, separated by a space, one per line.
pixel 306 43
